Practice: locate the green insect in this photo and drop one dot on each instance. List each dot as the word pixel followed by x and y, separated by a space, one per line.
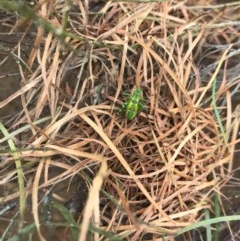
pixel 133 105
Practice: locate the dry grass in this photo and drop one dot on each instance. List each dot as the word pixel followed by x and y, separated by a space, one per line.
pixel 160 169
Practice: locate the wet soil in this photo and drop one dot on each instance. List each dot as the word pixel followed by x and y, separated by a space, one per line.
pixel 69 194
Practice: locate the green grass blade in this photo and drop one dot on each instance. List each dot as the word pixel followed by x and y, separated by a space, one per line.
pixel 26 231
pixel 205 223
pixel 208 227
pixel 20 174
pixel 23 129
pixel 108 235
pixel 69 218
pixel 217 114
pixel 217 212
pixel 8 228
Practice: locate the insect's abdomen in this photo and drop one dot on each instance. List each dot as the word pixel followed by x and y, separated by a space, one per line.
pixel 132 110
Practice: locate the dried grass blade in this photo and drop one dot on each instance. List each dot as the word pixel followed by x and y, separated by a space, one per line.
pixel 19 92
pixel 69 151
pixel 121 74
pixel 35 198
pixel 136 15
pixel 121 159
pixel 160 61
pixel 93 201
pixel 185 140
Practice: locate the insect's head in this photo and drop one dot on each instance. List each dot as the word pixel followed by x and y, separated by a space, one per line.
pixel 138 92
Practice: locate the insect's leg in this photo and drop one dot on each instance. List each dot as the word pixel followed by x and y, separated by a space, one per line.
pixel 141 106
pixel 122 108
pixel 126 94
